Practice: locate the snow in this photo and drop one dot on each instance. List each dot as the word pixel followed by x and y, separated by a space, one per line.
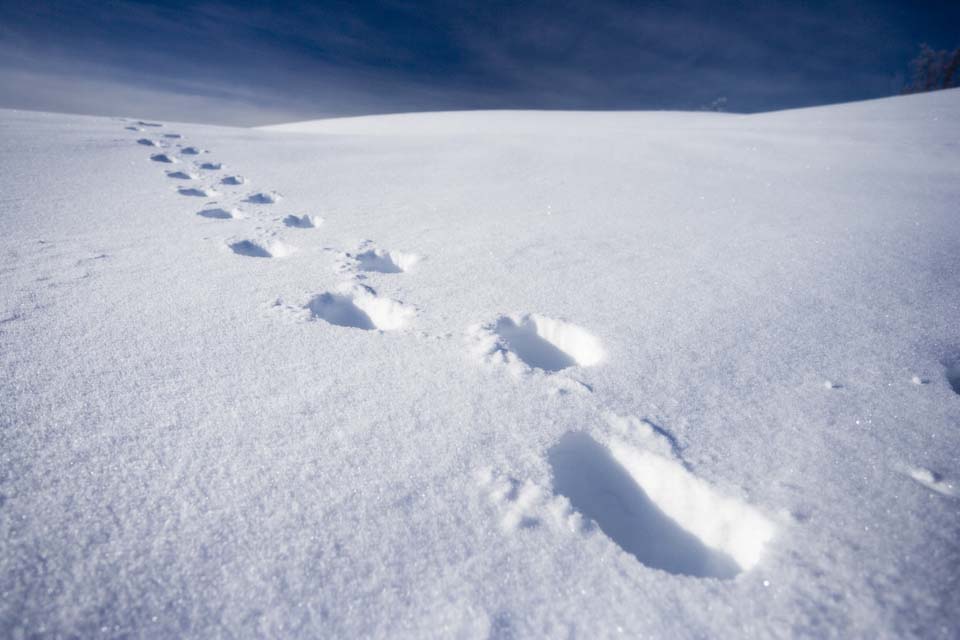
pixel 556 374
pixel 303 222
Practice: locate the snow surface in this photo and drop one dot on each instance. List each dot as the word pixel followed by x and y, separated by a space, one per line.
pixel 556 374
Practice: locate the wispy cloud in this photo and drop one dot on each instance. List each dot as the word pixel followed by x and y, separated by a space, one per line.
pixel 253 63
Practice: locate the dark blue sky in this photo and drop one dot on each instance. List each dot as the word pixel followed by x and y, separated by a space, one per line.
pixel 255 63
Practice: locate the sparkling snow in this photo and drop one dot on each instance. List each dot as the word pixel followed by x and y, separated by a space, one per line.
pixel 677 375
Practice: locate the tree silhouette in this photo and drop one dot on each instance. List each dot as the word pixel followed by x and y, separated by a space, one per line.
pixel 932 70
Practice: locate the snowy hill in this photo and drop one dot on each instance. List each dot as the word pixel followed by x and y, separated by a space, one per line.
pixel 490 374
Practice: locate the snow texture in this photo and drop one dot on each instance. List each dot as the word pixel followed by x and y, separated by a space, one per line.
pixel 537 374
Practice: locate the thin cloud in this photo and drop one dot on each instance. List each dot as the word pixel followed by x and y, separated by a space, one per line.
pixel 250 63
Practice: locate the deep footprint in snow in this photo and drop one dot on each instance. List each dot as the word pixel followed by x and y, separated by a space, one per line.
pixel 548 344
pixel 271 248
pixel 199 192
pixel 163 157
pixel 656 510
pixel 222 214
pixel 173 136
pixel 234 180
pixel 303 222
pixel 211 166
pixel 182 175
pixel 953 374
pixel 190 151
pixel 359 307
pixel 381 261
pixel 932 480
pixel 147 142
pixel 269 197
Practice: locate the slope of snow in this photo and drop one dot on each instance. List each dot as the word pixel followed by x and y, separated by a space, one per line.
pixel 535 375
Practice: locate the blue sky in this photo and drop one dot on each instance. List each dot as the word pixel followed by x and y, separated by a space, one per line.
pixel 257 63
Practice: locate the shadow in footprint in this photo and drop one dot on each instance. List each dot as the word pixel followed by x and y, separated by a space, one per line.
pixel 263 198
pixel 953 375
pixel 196 193
pixel 601 489
pixel 219 214
pixel 250 249
pixel 524 341
pixel 340 310
pixel 300 222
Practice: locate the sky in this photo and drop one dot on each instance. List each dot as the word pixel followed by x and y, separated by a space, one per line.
pixel 254 63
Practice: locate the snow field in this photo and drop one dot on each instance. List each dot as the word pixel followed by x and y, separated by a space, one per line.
pixel 598 375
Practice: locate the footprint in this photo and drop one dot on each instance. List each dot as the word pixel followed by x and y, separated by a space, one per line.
pixel 182 175
pixel 223 214
pixel 147 142
pixel 932 480
pixel 148 124
pixel 133 128
pixel 265 198
pixel 272 248
pixel 359 307
pixel 211 166
pixel 233 180
pixel 303 222
pixel 953 374
pixel 540 342
pixel 201 192
pixel 190 151
pixel 163 157
pixel 173 136
pixel 656 510
pixel 380 261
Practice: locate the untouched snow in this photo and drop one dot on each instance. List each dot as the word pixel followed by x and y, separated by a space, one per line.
pixel 535 375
